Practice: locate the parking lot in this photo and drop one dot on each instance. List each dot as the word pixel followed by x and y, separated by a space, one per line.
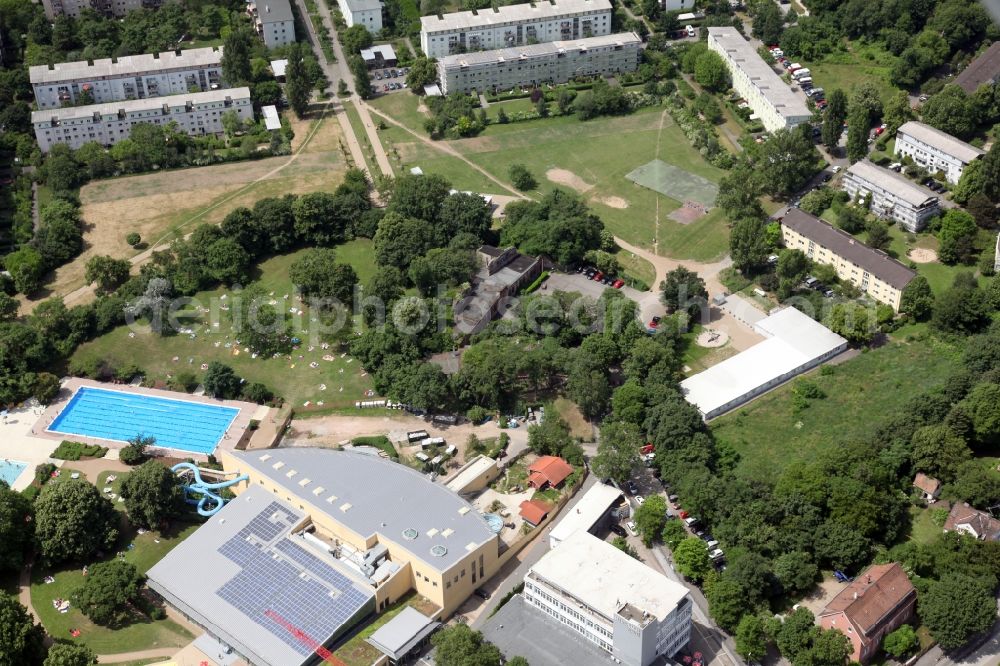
pixel 388 80
pixel 649 302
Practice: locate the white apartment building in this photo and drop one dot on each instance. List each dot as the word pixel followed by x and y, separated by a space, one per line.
pixel 273 20
pixel 54 8
pixel 197 114
pixel 893 196
pixel 362 12
pixel 533 64
pixel 626 608
pixel 770 98
pixel 127 77
pixel 514 25
pixel 677 5
pixel 935 150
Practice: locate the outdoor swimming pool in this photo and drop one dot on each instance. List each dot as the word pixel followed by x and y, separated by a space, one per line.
pixel 116 415
pixel 10 470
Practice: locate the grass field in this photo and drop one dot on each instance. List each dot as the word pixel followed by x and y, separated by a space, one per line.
pixel 769 434
pixel 371 164
pixel 148 549
pixel 162 206
pixel 290 377
pixel 856 63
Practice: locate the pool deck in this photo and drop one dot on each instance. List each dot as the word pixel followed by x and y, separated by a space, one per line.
pixel 236 434
pixel 17 443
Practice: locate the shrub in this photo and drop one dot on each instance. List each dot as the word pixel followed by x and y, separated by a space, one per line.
pixel 127 372
pixel 44 472
pixel 185 380
pixel 135 452
pixel 257 392
pixel 521 177
pixel 75 450
pixel 477 414
pixel 133 239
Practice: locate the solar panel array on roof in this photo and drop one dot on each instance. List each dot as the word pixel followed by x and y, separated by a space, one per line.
pixel 282 580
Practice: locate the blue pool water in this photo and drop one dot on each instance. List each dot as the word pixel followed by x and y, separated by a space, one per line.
pixel 120 416
pixel 10 470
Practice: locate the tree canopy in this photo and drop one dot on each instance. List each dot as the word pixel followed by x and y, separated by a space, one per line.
pixel 107 592
pixel 152 495
pixel 73 521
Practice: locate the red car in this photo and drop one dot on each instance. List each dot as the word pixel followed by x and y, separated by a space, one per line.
pixel 646 449
pixel 618 284
pixel 598 276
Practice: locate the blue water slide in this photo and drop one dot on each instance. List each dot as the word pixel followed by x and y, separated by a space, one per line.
pixel 210 503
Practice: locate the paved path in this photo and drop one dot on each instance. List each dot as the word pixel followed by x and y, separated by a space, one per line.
pixel 138 655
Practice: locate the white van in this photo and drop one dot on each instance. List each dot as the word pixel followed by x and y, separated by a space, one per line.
pixel 689 29
pixel 794 66
pixel 800 73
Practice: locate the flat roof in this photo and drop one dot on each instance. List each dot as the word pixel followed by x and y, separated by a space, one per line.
pixel 246 577
pixel 515 53
pixel 279 66
pixel 385 50
pixel 845 245
pixel 587 510
pixel 271 120
pixel 520 629
pixel 372 495
pixel 125 65
pixel 539 11
pixel 606 579
pixel 742 53
pixel 794 339
pixel 272 11
pixel 943 141
pixel 363 5
pixel 470 473
pixel 400 634
pixel 133 105
pixel 896 184
pixel 984 69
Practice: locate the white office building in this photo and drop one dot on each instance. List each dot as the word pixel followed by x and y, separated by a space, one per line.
pixel 769 97
pixel 626 608
pixel 54 8
pixel 534 64
pixel 590 513
pixel 514 25
pixel 935 150
pixel 273 20
pixel 197 114
pixel 893 196
pixel 362 12
pixel 127 77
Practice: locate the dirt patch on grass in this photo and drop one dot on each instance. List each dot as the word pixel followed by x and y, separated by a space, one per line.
pixel 612 202
pixel 922 255
pixel 688 213
pixel 569 179
pixel 578 424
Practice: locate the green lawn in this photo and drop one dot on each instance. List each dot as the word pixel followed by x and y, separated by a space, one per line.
pixel 357 652
pixel 290 377
pixel 769 434
pixel 922 527
pixel 858 62
pixel 402 106
pixel 149 548
pixel 371 164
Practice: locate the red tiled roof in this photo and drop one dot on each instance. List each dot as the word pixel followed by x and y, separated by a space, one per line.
pixel 873 596
pixel 986 526
pixel 928 484
pixel 550 469
pixel 534 511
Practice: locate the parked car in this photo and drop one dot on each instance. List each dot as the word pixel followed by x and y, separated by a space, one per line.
pixel 836 169
pixel 672 498
pixel 482 594
pixel 378 76
pixel 691 521
pixel 827 177
pixel 619 530
pixel 619 283
pixel 631 528
pixel 640 500
pixel 632 488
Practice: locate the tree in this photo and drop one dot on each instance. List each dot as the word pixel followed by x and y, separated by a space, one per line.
pixel 297 83
pixel 857 134
pixel 951 111
pixel 739 193
pixel 618 452
pixel 423 71
pixel 961 308
pixel 796 572
pixel 955 608
pixel 107 592
pixel 66 654
pixel 650 518
pixel 785 162
pixel 691 558
pixel 751 638
pixel 673 534
pixel 236 69
pixel 830 647
pixel 318 275
pixel 683 290
pixel 901 642
pixel 521 177
pixel 938 451
pixel 727 602
pixel 989 173
pixel 917 299
pixel 221 381
pixel 399 240
pixel 9 307
pixel 622 544
pixel 60 236
pixel 356 38
pixel 152 495
pixel 16 528
pixel 420 197
pixel 46 387
pixel 459 645
pixel 841 546
pixel 796 632
pixel 792 265
pixel 262 327
pixel 26 267
pixel 73 521
pixel 983 406
pixel 748 246
pixel 107 272
pixel 710 72
pixel 590 390
pixel 878 235
pixel 854 321
pixel 897 111
pixel 957 237
pixel 833 118
pixel 321 218
pixel 21 640
pixel 983 211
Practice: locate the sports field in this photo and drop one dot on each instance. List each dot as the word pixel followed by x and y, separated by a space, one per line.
pixel 674 182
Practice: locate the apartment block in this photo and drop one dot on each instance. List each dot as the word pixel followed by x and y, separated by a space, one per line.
pixel 273 21
pixel 534 64
pixel 127 77
pixel 362 12
pixel 893 196
pixel 935 150
pixel 770 97
pixel 514 25
pixel 633 613
pixel 872 271
pixel 196 113
pixel 54 8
